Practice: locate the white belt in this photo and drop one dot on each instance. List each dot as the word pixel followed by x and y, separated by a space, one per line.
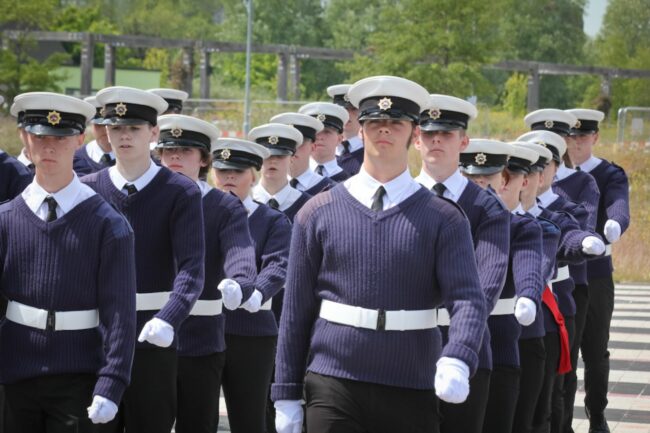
pixel 443 317
pixel 52 320
pixel 503 307
pixel 151 301
pixel 380 320
pixel 608 249
pixel 267 305
pixel 207 307
pixel 562 274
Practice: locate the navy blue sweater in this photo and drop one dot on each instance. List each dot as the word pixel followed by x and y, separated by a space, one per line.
pixel 81 261
pixel 167 219
pixel 320 186
pixel 230 254
pixel 84 164
pixel 14 177
pixel 410 257
pixel 292 210
pixel 351 162
pixel 614 204
pixel 271 233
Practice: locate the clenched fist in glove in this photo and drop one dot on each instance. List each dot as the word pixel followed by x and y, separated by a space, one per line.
pixel 231 293
pixel 593 246
pixel 288 416
pixel 254 303
pixel 612 231
pixel 452 380
pixel 525 311
pixel 158 332
pixel 102 410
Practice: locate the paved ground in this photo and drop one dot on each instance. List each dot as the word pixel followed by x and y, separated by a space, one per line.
pixel 629 390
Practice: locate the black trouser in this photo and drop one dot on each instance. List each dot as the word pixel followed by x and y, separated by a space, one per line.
pixel 557 402
pixel 594 344
pixel 199 384
pixel 346 406
pixel 149 403
pixel 581 297
pixel 246 380
pixel 502 400
pixel 468 415
pixel 542 416
pixel 532 358
pixel 50 404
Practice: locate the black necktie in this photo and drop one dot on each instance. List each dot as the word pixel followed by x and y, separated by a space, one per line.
pixel 293 182
pixel 378 199
pixel 51 208
pixel 106 160
pixel 130 188
pixel 273 203
pixel 319 169
pixel 439 189
pixel 578 168
pixel 346 147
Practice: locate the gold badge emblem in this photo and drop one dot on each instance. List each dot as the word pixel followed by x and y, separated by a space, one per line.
pixel 102 112
pixel 549 124
pixel 225 154
pixel 578 124
pixel 321 117
pixel 273 139
pixel 346 98
pixel 120 109
pixel 385 104
pixel 480 158
pixel 53 118
pixel 541 143
pixel 177 132
pixel 434 113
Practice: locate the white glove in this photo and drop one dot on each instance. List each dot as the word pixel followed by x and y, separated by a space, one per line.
pixel 102 410
pixel 525 311
pixel 452 380
pixel 593 246
pixel 253 304
pixel 231 293
pixel 612 231
pixel 158 332
pixel 288 416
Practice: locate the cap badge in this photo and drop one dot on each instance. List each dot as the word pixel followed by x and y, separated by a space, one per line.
pixel 578 124
pixel 549 124
pixel 120 109
pixel 177 132
pixel 385 104
pixel 53 118
pixel 480 158
pixel 273 139
pixel 102 112
pixel 321 117
pixel 434 113
pixel 225 154
pixel 346 98
pixel 541 143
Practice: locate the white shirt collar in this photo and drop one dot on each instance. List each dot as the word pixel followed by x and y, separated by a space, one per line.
pixel 590 164
pixel 355 144
pixel 22 157
pixel 519 210
pixel 535 210
pixel 204 187
pixel 119 181
pixel 66 198
pixel 250 205
pixel 455 184
pixel 563 172
pixel 285 197
pixel 307 180
pixel 547 197
pixel 363 187
pixel 330 168
pixel 95 152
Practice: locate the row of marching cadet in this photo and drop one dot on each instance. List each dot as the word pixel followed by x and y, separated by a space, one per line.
pixel 303 271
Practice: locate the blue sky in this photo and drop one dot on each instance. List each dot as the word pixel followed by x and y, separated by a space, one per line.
pixel 594 13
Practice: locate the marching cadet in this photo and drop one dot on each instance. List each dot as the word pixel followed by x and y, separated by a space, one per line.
pixel 184 146
pixel 164 209
pixel 14 176
pixel 97 154
pixel 443 135
pixel 323 158
pixel 251 331
pixel 613 218
pixel 502 167
pixel 67 269
pixel 174 98
pixel 273 188
pixel 302 177
pixel 370 259
pixel 22 157
pixel 349 154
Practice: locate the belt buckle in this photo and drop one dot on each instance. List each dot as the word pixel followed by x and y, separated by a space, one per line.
pixel 50 323
pixel 381 320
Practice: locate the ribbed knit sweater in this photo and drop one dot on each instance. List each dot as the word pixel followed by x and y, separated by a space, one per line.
pixel 271 233
pixel 167 219
pixel 229 254
pixel 351 162
pixel 292 210
pixel 81 261
pixel 83 164
pixel 416 255
pixel 614 204
pixel 580 187
pixel 14 177
pixel 320 186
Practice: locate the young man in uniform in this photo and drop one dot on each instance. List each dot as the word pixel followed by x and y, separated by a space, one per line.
pixel 443 136
pixel 14 176
pixel 97 154
pixel 67 260
pixel 323 157
pixel 370 259
pixel 349 154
